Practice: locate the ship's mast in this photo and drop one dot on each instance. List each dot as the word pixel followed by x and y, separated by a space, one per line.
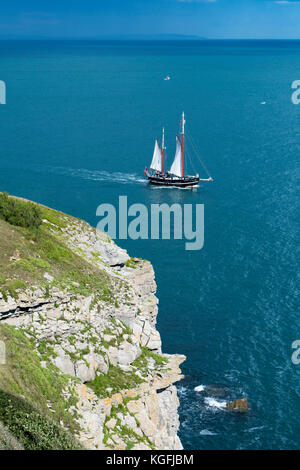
pixel 162 149
pixel 182 141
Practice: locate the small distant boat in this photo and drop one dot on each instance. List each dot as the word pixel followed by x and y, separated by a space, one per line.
pixel 167 78
pixel 263 102
pixel 175 176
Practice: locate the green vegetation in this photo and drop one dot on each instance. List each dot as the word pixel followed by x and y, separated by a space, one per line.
pixel 56 218
pixel 130 445
pixel 127 434
pixel 19 212
pixel 142 363
pixel 126 329
pixel 11 288
pixel 46 350
pixel 116 379
pixel 117 338
pixel 7 440
pixel 31 428
pixel 32 402
pixel 131 263
pixel 27 253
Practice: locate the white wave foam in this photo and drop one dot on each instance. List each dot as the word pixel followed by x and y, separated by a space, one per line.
pixel 213 403
pixel 99 175
pixel 257 428
pixel 182 390
pixel 158 187
pixel 199 388
pixel 207 432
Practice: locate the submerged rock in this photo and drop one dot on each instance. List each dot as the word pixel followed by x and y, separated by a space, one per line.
pixel 216 391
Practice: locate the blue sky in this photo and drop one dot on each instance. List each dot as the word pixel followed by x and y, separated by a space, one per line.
pixel 205 18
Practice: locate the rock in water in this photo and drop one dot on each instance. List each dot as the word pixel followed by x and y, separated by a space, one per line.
pixel 240 405
pixel 216 391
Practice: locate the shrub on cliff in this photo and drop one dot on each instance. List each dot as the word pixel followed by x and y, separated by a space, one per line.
pixel 20 213
pixel 32 429
pixel 27 388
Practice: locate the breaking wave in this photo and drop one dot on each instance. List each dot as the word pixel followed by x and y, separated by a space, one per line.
pixel 207 432
pixel 213 403
pixel 199 388
pixel 182 391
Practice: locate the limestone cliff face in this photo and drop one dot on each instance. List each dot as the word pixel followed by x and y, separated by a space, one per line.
pixel 107 344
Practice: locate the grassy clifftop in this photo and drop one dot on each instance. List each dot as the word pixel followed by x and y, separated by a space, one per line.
pixel 83 356
pixel 27 253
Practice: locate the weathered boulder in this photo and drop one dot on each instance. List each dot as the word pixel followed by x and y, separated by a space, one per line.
pixel 111 424
pixel 146 424
pixel 91 417
pixel 99 363
pixel 83 372
pixel 65 364
pixel 124 355
pixel 113 255
pixel 154 341
pixel 240 405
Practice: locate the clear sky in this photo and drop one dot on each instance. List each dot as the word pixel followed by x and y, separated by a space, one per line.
pixel 205 18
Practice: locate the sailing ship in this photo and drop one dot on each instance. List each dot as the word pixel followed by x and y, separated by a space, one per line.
pixel 175 176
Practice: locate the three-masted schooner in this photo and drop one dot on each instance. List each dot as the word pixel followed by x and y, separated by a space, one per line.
pixel 175 176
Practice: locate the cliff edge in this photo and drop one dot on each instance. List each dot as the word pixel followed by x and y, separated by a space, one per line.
pixel 78 323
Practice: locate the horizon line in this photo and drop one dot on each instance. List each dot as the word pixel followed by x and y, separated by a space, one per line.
pixel 135 39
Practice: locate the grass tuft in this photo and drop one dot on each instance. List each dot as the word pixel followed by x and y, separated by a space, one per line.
pixel 26 390
pixel 20 213
pixel 116 379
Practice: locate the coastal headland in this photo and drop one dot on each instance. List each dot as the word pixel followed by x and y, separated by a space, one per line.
pixel 83 364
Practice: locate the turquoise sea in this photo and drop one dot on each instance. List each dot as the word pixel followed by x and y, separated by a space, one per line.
pixel 78 130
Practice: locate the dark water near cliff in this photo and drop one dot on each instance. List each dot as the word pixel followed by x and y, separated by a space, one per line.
pixel 78 130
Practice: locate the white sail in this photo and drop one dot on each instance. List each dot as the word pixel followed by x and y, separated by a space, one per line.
pixel 176 168
pixel 156 163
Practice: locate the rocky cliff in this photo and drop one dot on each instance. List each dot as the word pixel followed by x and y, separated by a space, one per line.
pixel 88 311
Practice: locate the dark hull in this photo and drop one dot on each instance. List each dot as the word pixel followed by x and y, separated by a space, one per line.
pixel 186 182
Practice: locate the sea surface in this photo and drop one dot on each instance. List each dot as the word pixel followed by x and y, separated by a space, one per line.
pixel 78 130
